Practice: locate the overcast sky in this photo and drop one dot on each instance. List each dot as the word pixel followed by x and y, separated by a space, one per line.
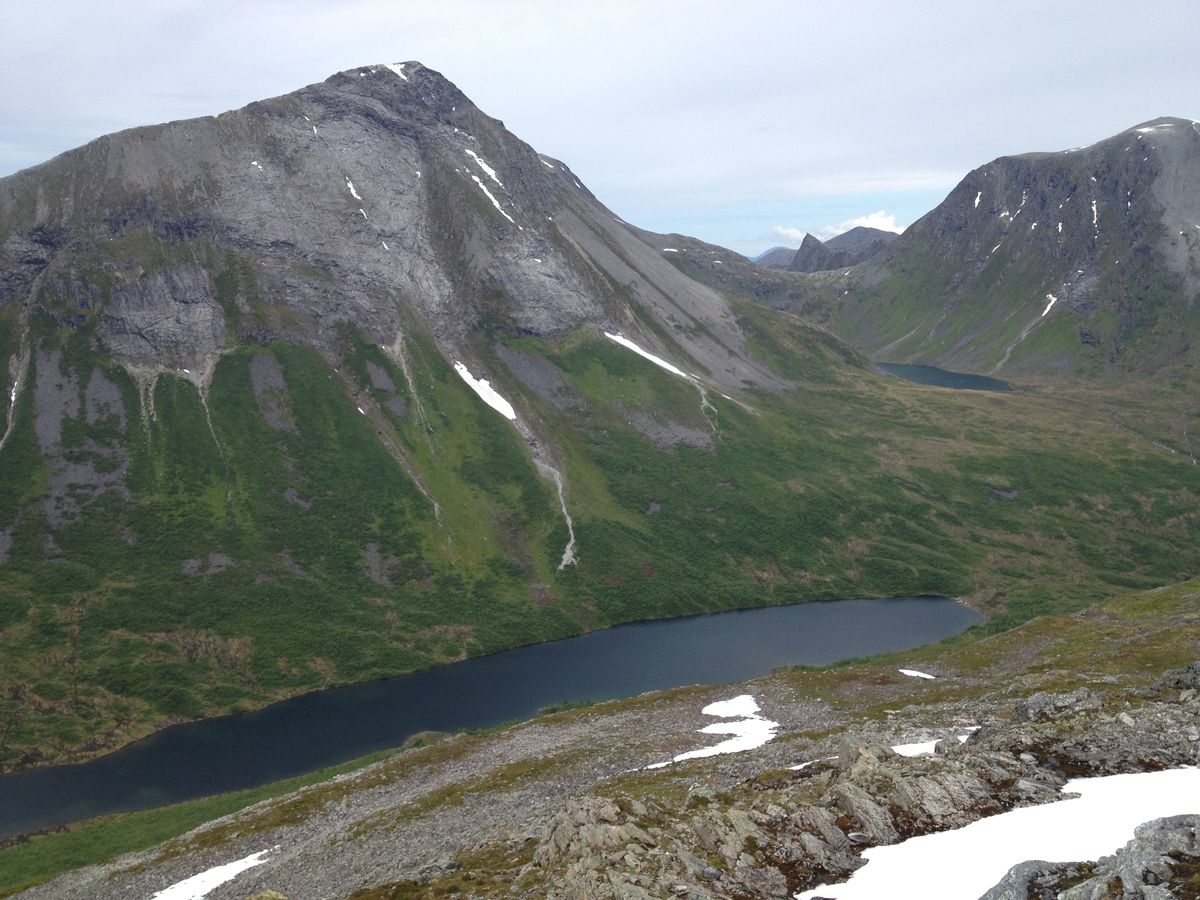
pixel 746 124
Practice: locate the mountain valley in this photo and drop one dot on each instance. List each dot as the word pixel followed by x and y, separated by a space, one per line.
pixel 353 382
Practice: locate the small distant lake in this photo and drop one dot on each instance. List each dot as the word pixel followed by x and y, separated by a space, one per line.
pixel 329 727
pixel 944 378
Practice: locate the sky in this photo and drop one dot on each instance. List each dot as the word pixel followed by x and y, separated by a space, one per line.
pixel 744 124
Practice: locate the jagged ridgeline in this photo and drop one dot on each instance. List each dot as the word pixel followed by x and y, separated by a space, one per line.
pixel 352 381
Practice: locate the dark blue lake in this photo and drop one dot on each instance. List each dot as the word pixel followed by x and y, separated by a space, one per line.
pixel 329 727
pixel 943 378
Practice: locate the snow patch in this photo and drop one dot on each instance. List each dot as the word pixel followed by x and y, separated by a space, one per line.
pixel 495 202
pixel 913 673
pixel 364 213
pixel 669 250
pixel 257 165
pixel 1094 214
pixel 198 886
pixel 923 748
pixel 658 361
pixel 398 68
pixel 482 163
pixel 546 164
pixel 977 196
pixel 970 860
pixel 353 192
pixel 1052 300
pixel 749 729
pixel 385 246
pixel 486 392
pixel 360 409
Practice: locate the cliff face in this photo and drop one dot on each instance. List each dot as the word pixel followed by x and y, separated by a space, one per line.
pixel 377 196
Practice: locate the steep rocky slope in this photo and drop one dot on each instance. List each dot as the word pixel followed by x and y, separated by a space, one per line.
pixel 1087 260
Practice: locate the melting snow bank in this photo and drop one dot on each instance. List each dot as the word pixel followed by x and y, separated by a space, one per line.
pixel 968 861
pixel 486 392
pixel 198 886
pixel 750 730
pixel 913 673
pixel 630 345
pixel 924 748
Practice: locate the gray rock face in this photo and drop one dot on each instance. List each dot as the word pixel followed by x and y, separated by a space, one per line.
pixel 78 474
pixel 372 199
pixel 270 392
pixel 1043 707
pixel 849 249
pixel 170 317
pixel 1159 863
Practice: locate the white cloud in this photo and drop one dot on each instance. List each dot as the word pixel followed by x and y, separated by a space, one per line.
pixel 881 219
pixel 884 221
pixel 790 235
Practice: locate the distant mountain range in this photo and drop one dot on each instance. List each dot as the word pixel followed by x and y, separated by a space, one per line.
pixel 846 249
pixel 1084 261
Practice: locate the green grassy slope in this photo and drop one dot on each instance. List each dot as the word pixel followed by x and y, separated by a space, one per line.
pixel 239 561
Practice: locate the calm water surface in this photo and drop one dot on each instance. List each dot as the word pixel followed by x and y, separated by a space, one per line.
pixel 944 378
pixel 329 727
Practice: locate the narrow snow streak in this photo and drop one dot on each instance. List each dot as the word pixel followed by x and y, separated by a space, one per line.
pixel 913 673
pixel 546 164
pixel 1052 300
pixel 353 192
pixel 482 163
pixel 486 392
pixel 658 361
pixel 198 886
pixel 977 196
pixel 706 408
pixel 495 202
pixel 970 860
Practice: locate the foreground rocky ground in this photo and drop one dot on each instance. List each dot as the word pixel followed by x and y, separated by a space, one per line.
pixel 562 807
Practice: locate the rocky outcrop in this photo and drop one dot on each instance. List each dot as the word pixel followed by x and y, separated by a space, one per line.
pixel 1161 862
